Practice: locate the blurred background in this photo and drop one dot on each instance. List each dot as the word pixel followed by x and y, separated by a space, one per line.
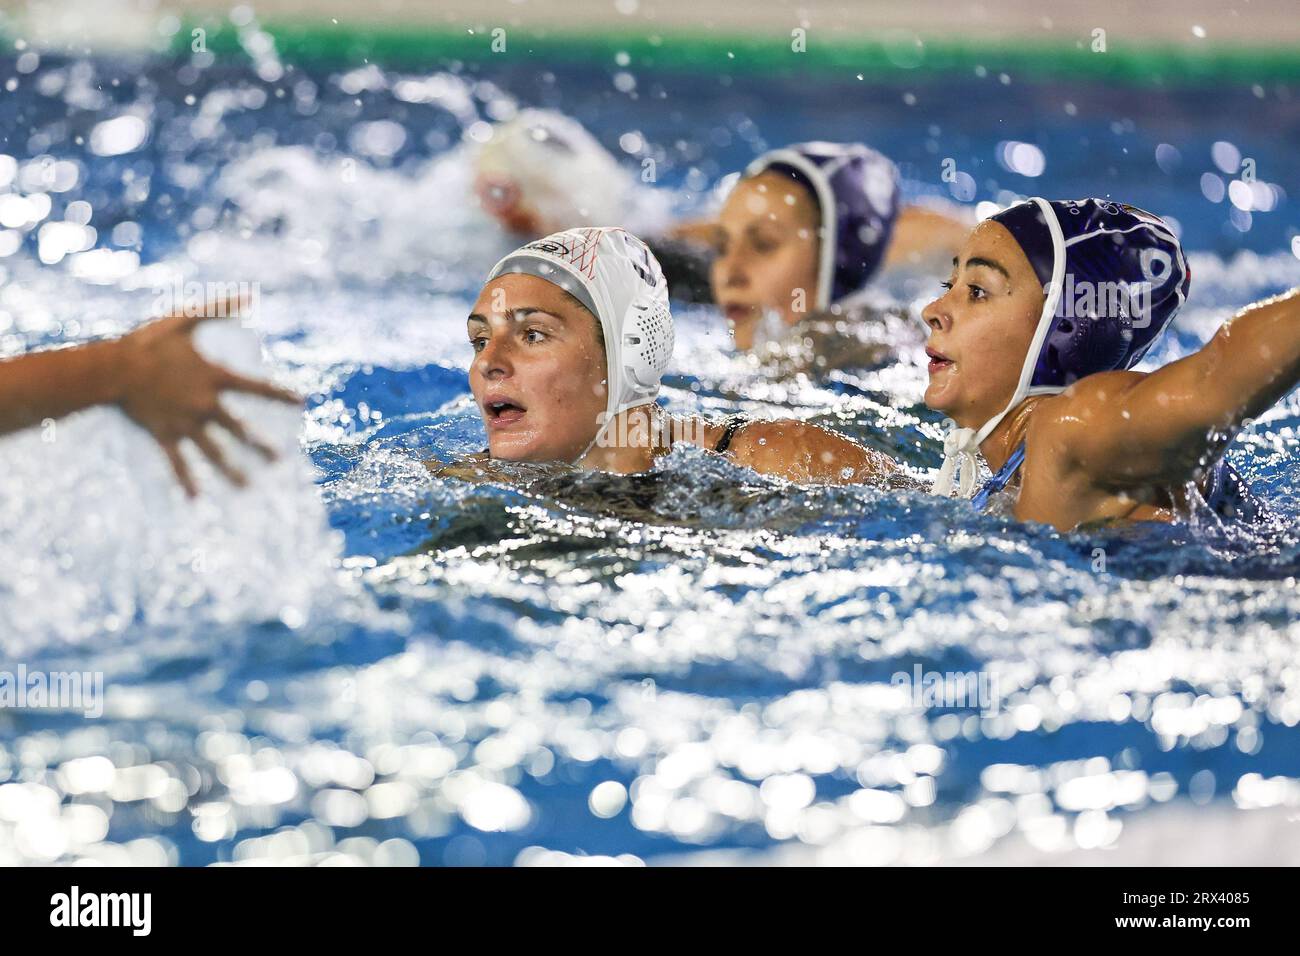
pixel 352 662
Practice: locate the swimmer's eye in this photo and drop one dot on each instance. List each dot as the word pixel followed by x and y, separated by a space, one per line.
pixel 478 343
pixel 977 293
pixel 529 336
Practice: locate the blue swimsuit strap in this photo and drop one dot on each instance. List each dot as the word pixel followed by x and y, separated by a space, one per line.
pixel 1001 479
pixel 1228 495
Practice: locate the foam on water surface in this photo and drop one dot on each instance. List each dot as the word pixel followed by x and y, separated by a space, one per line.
pixel 99 540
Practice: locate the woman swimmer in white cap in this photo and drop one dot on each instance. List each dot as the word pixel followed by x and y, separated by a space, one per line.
pixel 571 335
pixel 1034 370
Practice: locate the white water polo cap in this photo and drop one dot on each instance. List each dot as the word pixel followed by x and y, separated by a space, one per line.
pixel 617 278
pixel 555 170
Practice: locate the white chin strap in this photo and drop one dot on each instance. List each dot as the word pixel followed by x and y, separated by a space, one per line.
pixel 590 445
pixel 961 446
pixel 600 433
pixel 961 465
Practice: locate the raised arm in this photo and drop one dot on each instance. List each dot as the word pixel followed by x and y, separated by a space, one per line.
pixel 1129 429
pixel 798 451
pixel 154 374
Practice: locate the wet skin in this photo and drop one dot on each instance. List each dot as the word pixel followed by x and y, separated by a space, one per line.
pixel 766 238
pixel 538 378
pixel 538 372
pixel 1115 445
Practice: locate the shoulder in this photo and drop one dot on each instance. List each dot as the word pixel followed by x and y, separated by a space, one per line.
pixel 786 431
pixel 694 430
pixel 804 451
pixel 1083 405
pixel 1070 436
pixel 470 467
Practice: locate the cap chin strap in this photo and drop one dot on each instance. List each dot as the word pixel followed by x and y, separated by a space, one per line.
pixel 600 433
pixel 624 391
pixel 960 456
pixel 961 446
pixel 820 179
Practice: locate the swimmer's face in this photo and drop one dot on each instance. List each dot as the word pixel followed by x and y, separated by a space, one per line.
pixel 502 199
pixel 981 327
pixel 538 372
pixel 767 242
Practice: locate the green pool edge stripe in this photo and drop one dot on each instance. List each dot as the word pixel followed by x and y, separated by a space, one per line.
pixel 420 46
pixel 1122 63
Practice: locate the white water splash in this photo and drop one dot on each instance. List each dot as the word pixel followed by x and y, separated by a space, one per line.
pixel 96 534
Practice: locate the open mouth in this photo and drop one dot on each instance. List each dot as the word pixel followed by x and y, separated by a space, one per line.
pixel 737 313
pixel 938 360
pixel 503 411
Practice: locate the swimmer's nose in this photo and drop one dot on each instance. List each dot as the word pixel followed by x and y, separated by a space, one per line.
pixel 494 360
pixel 936 315
pixel 732 272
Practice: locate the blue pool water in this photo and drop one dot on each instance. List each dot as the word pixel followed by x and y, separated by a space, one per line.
pixel 355 662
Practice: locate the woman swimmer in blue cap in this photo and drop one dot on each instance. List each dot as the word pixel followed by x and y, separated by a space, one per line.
pixel 800 234
pixel 1049 307
pixel 571 335
pixel 805 230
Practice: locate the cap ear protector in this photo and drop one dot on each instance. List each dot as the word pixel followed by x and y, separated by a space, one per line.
pixel 648 340
pixel 1089 343
pixel 648 331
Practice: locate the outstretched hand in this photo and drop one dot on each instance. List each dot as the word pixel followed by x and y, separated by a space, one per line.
pixel 170 390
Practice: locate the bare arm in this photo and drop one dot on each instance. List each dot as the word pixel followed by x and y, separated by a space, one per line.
pixel 923 235
pixel 154 374
pixel 798 451
pixel 56 382
pixel 701 231
pixel 1128 429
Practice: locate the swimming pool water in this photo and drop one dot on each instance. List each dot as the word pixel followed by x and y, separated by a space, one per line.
pixel 353 661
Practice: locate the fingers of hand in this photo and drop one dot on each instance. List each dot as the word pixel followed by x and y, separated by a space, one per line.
pixel 233 425
pixel 253 386
pixel 218 458
pixel 182 470
pixel 219 308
